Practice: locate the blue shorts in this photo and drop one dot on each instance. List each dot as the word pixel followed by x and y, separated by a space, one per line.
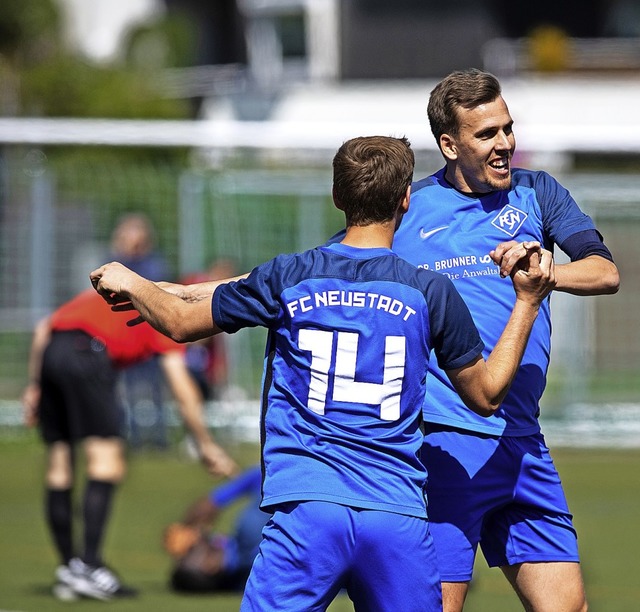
pixel 502 493
pixel 312 550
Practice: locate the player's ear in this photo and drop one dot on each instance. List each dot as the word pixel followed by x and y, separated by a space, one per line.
pixel 448 147
pixel 404 205
pixel 336 201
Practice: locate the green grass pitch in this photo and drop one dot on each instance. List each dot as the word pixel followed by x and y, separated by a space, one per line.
pixel 603 487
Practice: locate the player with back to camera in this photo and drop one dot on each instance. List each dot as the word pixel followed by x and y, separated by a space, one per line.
pixel 351 327
pixel 492 481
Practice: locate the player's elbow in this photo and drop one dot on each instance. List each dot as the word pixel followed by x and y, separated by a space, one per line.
pixel 184 330
pixel 485 412
pixel 483 403
pixel 611 281
pixel 476 387
pixel 182 334
pixel 174 328
pixel 179 338
pixel 606 279
pixel 485 409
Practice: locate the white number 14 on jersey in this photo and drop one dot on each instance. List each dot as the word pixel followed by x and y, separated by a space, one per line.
pixel 345 387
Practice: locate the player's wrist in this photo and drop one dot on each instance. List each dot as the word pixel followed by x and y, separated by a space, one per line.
pixel 528 303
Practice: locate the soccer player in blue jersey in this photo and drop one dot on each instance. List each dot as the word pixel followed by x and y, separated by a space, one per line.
pixel 351 327
pixel 492 481
pixel 209 561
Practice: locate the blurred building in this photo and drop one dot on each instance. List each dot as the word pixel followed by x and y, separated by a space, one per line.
pixel 259 47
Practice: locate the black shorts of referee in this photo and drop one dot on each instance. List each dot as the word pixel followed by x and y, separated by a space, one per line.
pixel 78 390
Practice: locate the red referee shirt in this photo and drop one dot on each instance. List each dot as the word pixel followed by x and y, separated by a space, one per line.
pixel 89 313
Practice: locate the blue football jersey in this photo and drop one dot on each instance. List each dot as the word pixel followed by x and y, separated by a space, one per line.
pixel 452 233
pixel 350 334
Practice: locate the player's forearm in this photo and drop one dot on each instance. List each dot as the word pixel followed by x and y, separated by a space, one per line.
pixel 196 292
pixel 193 418
pixel 187 395
pixel 159 308
pixel 191 408
pixel 189 293
pixel 169 314
pixel 41 335
pixel 592 275
pixel 504 360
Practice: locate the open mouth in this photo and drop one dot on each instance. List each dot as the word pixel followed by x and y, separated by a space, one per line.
pixel 500 165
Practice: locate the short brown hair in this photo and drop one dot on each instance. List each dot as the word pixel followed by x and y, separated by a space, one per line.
pixel 463 88
pixel 370 176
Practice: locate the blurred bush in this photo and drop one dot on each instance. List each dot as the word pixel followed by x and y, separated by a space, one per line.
pixel 42 77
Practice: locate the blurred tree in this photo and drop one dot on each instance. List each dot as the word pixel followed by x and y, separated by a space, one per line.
pixel 166 43
pixel 67 86
pixel 29 30
pixel 45 79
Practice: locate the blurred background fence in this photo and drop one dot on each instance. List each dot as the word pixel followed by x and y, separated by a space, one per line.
pixel 57 213
pixel 58 209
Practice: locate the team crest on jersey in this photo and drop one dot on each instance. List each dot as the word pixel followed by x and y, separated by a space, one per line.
pixel 510 220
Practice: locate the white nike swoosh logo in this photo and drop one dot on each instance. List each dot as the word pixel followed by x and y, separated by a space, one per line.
pixel 424 235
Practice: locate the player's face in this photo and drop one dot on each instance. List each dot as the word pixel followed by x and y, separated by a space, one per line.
pixel 481 152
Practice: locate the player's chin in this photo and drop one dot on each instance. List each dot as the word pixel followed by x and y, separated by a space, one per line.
pixel 500 183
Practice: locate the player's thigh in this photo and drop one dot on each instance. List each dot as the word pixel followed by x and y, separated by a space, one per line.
pixel 395 565
pixel 548 587
pixel 301 564
pixel 536 527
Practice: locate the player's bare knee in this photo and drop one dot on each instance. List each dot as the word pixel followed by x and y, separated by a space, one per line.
pixel 57 480
pixel 59 473
pixel 108 471
pixel 105 459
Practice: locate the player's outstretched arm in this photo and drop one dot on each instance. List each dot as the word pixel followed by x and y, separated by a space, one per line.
pixel 483 385
pixel 197 291
pixel 180 320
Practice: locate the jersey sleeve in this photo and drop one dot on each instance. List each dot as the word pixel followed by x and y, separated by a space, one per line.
pixel 561 215
pixel 252 301
pixel 583 244
pixel 455 338
pixel 247 483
